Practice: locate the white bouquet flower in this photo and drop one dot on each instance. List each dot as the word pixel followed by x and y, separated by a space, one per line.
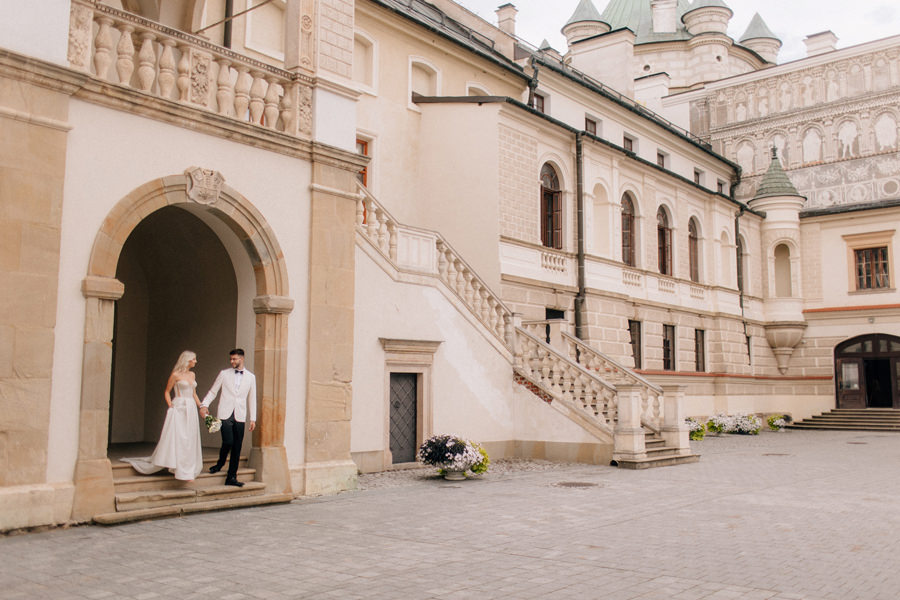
pixel 212 424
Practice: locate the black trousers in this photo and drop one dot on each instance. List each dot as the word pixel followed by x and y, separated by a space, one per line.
pixel 232 439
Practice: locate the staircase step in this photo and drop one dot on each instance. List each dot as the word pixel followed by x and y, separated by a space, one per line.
pixel 165 480
pixel 157 498
pixel 176 510
pixel 662 461
pixel 853 419
pixel 123 469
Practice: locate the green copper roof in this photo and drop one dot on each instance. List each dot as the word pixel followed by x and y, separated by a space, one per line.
pixel 775 182
pixel 636 16
pixel 757 29
pixel 585 11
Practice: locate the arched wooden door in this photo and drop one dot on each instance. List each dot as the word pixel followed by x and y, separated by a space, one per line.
pixel 866 372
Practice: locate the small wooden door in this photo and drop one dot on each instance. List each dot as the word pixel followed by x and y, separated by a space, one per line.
pixel 404 417
pixel 850 383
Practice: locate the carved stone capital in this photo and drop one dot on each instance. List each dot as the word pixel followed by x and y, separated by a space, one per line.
pixel 105 288
pixel 277 305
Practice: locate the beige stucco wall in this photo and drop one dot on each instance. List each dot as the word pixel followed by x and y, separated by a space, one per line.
pixel 277 185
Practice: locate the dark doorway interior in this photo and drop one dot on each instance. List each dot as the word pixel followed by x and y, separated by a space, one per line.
pixel 180 294
pixel 878 383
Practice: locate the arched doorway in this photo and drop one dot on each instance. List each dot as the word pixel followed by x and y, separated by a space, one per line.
pixel 866 372
pixel 180 294
pixel 246 235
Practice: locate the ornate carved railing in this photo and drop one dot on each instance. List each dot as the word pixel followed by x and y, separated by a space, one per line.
pixel 121 48
pixel 616 373
pixel 560 378
pixel 377 225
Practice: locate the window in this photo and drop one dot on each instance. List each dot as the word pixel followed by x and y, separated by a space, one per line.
pixel 423 78
pixel 699 350
pixel 590 125
pixel 720 186
pixel 872 271
pixel 634 330
pixel 694 250
pixel 363 60
pixel 629 143
pixel 551 208
pixel 539 103
pixel 698 176
pixel 783 283
pixel 663 242
pixel 362 147
pixel 668 347
pixel 739 252
pixel 661 159
pixel 627 231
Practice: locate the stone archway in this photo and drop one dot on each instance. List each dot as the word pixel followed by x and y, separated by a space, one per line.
pixel 203 190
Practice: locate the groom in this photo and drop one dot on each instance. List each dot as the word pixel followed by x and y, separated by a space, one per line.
pixel 238 386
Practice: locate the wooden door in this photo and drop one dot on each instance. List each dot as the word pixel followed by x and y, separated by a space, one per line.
pixel 851 390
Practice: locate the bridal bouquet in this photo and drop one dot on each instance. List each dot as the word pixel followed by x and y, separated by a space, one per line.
pixel 212 424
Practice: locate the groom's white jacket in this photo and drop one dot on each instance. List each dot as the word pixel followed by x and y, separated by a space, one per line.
pixel 239 401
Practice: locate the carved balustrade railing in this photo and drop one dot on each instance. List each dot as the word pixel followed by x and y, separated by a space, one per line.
pixel 555 374
pixel 378 226
pixel 125 49
pixel 608 369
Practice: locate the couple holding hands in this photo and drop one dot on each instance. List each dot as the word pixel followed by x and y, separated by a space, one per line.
pixel 179 447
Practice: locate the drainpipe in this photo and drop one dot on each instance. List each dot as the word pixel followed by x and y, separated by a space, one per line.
pixel 229 12
pixel 579 199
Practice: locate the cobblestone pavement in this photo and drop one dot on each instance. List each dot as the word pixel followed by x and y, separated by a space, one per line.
pixel 800 514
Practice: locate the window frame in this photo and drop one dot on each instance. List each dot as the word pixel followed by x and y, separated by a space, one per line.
pixel 868 241
pixel 629 143
pixel 551 209
pixel 668 348
pixel 589 124
pixel 634 332
pixel 662 159
pixel 663 242
pixel 693 250
pixel 629 244
pixel 700 350
pixel 540 102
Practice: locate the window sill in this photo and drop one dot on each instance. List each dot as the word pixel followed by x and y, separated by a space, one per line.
pixel 889 290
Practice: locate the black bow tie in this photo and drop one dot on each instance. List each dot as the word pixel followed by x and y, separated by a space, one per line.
pixel 237 371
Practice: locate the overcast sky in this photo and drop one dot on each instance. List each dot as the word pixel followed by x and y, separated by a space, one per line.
pixel 852 21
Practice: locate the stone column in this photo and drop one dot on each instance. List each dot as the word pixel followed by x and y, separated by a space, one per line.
pixel 94 492
pixel 268 455
pixel 329 396
pixel 675 431
pixel 629 435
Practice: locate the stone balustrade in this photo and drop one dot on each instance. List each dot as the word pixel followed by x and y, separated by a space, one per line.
pixel 608 369
pixel 121 48
pixel 553 261
pixel 377 225
pixel 565 380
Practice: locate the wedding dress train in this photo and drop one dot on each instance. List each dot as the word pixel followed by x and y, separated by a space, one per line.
pixel 178 449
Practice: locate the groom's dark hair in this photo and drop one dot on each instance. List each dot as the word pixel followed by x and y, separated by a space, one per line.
pixel 238 351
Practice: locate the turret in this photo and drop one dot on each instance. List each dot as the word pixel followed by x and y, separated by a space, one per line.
pixel 707 16
pixel 761 40
pixel 777 197
pixel 584 23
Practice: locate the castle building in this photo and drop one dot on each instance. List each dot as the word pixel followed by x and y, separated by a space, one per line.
pixel 417 223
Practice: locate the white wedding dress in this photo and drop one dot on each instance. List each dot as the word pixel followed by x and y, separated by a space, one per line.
pixel 178 449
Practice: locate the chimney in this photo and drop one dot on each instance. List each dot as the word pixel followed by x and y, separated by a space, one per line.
pixel 820 43
pixel 506 18
pixel 663 15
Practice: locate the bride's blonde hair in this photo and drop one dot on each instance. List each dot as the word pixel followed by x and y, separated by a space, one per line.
pixel 181 365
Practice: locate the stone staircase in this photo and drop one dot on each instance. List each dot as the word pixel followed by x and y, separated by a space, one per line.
pixel 571 376
pixel 140 497
pixel 853 419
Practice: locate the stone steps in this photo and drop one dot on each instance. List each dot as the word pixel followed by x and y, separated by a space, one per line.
pixel 179 509
pixel 881 419
pixel 166 497
pixel 658 455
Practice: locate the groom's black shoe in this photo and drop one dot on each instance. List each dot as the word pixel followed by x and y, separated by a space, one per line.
pixel 215 469
pixel 234 482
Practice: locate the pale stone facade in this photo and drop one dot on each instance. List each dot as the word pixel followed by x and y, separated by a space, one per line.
pixel 150 132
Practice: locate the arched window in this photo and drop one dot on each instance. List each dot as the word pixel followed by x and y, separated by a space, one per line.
pixel 663 242
pixel 739 254
pixel 551 208
pixel 783 271
pixel 423 79
pixel 627 231
pixel 694 250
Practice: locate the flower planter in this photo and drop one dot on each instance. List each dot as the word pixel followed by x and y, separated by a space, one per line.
pixel 454 475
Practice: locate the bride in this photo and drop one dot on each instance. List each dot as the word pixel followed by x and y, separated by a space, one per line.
pixel 178 448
